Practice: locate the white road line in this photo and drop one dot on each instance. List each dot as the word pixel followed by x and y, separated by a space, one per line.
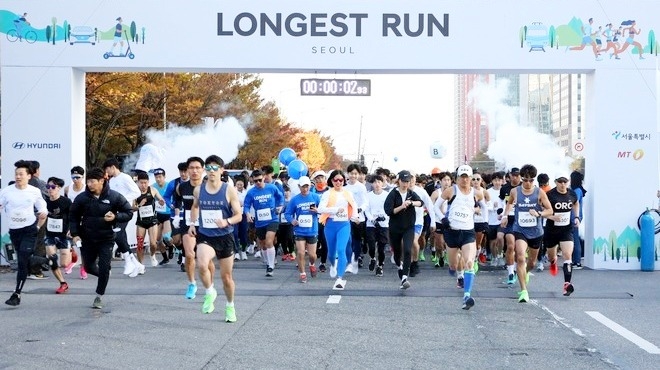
pixel 558 318
pixel 333 299
pixel 634 338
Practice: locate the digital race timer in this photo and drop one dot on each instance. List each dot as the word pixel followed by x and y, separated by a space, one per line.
pixel 332 87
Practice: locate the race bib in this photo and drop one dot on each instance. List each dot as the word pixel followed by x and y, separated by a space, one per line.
pixel 209 217
pixel 526 220
pixel 305 221
pixel 54 225
pixel 564 218
pixel 146 211
pixel 187 218
pixel 161 208
pixel 341 216
pixel 460 215
pixel 18 220
pixel 264 214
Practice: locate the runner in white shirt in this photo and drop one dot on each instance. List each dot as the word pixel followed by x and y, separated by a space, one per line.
pixel 71 191
pixel 495 207
pixel 19 202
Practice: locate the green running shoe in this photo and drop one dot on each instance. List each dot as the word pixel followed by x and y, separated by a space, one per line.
pixel 230 314
pixel 209 299
pixel 435 259
pixel 422 258
pixel 523 297
pixel 475 267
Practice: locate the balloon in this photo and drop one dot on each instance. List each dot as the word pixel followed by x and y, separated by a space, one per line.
pixel 438 151
pixel 286 156
pixel 297 168
pixel 396 159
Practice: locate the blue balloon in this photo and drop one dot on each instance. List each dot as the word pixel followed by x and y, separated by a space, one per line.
pixel 396 159
pixel 296 169
pixel 286 156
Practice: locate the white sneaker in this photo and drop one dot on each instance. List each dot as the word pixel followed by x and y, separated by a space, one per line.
pixel 539 266
pixel 154 261
pixel 392 259
pixel 244 256
pixel 333 271
pixel 129 266
pixel 134 273
pixel 340 284
pixel 250 249
pixel 257 254
pixel 236 257
pixel 352 268
pixel 141 269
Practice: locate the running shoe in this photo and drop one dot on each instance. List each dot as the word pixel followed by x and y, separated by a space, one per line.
pixel 405 284
pixel 422 258
pixel 379 271
pixel 312 271
pixel 97 304
pixel 482 258
pixel 577 266
pixel 62 289
pixel 230 314
pixel 269 271
pixel 523 296
pixel 475 267
pixel 460 283
pixel 340 284
pixel 451 272
pixel 303 278
pixel 83 273
pixel 468 302
pixel 372 264
pixel 360 263
pixel 209 299
pixel 243 257
pixel 154 261
pixel 568 289
pixel 512 279
pixel 164 262
pixel 539 266
pixel 14 300
pixel 352 268
pixel 322 267
pixel 553 268
pixel 435 260
pixel 333 271
pixel 192 290
pixel 69 268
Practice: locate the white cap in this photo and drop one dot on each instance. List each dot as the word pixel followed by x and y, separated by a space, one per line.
pixel 464 170
pixel 318 173
pixel 304 180
pixel 562 174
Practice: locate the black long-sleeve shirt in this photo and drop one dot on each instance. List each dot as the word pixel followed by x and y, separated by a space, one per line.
pixel 86 218
pixel 404 219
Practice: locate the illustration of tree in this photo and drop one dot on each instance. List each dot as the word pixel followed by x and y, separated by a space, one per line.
pixel 67 30
pixel 612 240
pixel 48 33
pixel 54 20
pixel 627 251
pixel 552 36
pixel 639 253
pixel 143 30
pixel 522 37
pixel 652 44
pixel 133 31
pixel 96 34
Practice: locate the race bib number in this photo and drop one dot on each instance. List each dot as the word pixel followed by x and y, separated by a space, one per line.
pixel 54 225
pixel 526 220
pixel 564 218
pixel 161 208
pixel 18 220
pixel 187 218
pixel 264 214
pixel 341 216
pixel 209 217
pixel 305 221
pixel 146 211
pixel 461 215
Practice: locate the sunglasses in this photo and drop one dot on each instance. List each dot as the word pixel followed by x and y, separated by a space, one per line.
pixel 561 181
pixel 338 180
pixel 476 179
pixel 49 186
pixel 258 180
pixel 76 177
pixel 527 180
pixel 212 167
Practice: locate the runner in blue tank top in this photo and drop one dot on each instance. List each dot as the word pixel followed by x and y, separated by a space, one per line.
pixel 217 208
pixel 530 205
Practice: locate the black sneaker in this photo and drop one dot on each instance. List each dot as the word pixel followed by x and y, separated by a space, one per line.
pixel 164 262
pixel 372 264
pixel 322 267
pixel 183 267
pixel 269 271
pixel 14 300
pixel 97 303
pixel 379 271
pixel 442 261
pixel 468 302
pixel 170 252
pixel 460 283
pixel 360 263
pixel 577 266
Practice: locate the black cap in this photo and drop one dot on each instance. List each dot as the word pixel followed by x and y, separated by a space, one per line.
pixel 404 175
pixel 159 171
pixel 515 170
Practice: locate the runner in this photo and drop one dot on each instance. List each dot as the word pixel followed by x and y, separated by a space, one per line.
pixel 495 208
pixel 505 234
pixel 320 187
pixel 57 228
pixel 377 223
pixel 301 213
pixel 147 220
pixel 71 191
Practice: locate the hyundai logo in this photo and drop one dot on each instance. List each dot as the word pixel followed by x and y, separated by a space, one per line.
pixel 18 145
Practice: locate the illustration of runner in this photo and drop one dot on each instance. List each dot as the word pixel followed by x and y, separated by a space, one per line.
pixel 630 40
pixel 118 38
pixel 587 38
pixel 19 23
pixel 610 36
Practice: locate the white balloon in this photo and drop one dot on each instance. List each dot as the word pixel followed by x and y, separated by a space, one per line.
pixel 151 157
pixel 437 150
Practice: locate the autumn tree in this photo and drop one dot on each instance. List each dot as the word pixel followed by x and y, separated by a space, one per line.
pixel 483 163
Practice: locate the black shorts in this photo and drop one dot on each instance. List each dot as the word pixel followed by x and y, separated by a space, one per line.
pixel 306 239
pixel 459 238
pixel 59 242
pixel 552 239
pixel 481 227
pixel 533 243
pixel 509 226
pixel 427 223
pixel 222 245
pixel 146 224
pixel 439 228
pixel 162 218
pixel 492 231
pixel 261 231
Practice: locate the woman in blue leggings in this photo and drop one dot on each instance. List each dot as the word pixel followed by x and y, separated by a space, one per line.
pixel 337 208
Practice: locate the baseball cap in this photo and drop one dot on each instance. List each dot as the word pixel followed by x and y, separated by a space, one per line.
pixel 159 171
pixel 304 180
pixel 464 170
pixel 404 175
pixel 562 175
pixel 515 170
pixel 318 173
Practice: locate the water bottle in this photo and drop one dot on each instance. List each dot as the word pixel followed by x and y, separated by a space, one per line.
pixel 647 229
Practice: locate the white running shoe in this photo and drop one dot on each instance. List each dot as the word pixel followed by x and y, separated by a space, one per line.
pixel 154 261
pixel 392 259
pixel 340 284
pixel 333 271
pixel 352 268
pixel 237 257
pixel 257 254
pixel 250 249
pixel 141 269
pixel 244 256
pixel 129 266
pixel 539 266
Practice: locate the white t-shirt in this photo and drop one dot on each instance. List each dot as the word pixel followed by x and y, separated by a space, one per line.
pixel 19 205
pixel 359 192
pixel 376 208
pixel 494 204
pixel 124 184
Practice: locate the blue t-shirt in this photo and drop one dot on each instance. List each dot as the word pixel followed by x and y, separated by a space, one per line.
pixel 264 202
pixel 168 195
pixel 298 208
pixel 164 209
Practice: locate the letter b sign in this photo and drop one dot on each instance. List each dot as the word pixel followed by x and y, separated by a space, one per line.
pixel 438 151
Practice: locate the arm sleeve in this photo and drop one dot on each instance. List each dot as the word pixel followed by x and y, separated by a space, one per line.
pixel 323 204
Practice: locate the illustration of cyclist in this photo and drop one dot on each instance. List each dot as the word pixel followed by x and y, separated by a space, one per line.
pixel 19 23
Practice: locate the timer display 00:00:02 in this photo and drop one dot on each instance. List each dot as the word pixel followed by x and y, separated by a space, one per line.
pixel 339 87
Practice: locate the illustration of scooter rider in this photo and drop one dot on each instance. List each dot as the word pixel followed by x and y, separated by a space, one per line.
pixel 117 38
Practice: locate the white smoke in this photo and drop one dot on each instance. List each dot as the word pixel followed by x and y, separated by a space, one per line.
pixel 516 143
pixel 165 149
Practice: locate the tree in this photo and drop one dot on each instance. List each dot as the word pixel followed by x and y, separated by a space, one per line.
pixel 54 21
pixel 483 163
pixel 133 31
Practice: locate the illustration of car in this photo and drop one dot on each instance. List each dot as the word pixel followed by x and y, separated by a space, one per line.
pixel 537 36
pixel 82 35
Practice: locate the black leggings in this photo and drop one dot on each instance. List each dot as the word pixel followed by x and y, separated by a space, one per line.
pixel 402 241
pixel 24 241
pixel 285 238
pixel 322 245
pixel 121 238
pixel 102 251
pixel 377 236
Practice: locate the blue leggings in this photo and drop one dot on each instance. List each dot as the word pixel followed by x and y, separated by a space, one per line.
pixel 336 236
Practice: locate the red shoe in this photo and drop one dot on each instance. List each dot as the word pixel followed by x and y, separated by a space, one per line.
pixel 83 273
pixel 482 258
pixel 312 271
pixel 62 289
pixel 553 268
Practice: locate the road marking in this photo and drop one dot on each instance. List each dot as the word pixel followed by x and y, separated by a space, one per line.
pixel 558 318
pixel 333 299
pixel 634 338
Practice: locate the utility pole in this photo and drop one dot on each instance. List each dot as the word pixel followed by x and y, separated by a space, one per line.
pixel 359 141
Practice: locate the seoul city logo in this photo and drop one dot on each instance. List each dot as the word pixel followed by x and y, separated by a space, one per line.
pixel 616 134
